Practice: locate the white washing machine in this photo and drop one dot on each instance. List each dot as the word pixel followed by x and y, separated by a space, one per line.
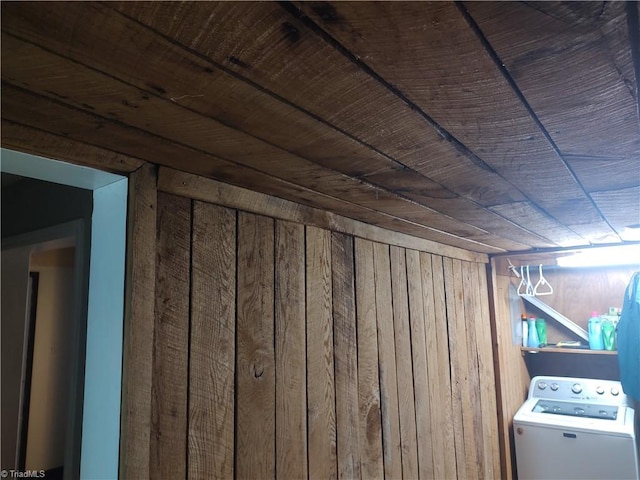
pixel 575 428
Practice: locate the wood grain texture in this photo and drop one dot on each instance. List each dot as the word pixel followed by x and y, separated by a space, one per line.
pixel 609 203
pixel 346 356
pixel 475 327
pixel 85 127
pixel 171 339
pixel 48 114
pixel 212 345
pixel 370 423
pixel 420 367
pixel 225 98
pixel 166 119
pixel 528 213
pixel 290 341
pixel 577 47
pixel 321 394
pixel 468 76
pixel 139 324
pixel 178 66
pixel 465 356
pixel 437 351
pixel 487 352
pixel 355 97
pixel 402 335
pixel 310 74
pixel 30 140
pixel 255 357
pixel 193 186
pixel 341 107
pixel 457 353
pixel 391 442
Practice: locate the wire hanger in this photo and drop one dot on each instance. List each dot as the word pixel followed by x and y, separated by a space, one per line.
pixel 542 283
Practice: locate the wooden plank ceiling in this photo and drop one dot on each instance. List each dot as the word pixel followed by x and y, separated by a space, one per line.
pixel 488 126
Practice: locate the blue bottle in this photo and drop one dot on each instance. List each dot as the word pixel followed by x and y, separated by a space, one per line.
pixel 596 341
pixel 532 340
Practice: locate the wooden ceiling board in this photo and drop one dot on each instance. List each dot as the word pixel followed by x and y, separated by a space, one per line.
pixel 110 98
pixel 564 66
pixel 459 86
pixel 188 80
pixel 316 69
pixel 390 113
pixel 41 113
pixel 121 106
pixel 609 202
pixel 605 173
pixel 37 142
pixel 266 45
pixel 527 214
pixel 459 208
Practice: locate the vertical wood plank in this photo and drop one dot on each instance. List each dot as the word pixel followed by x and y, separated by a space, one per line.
pixel 171 340
pixel 321 401
pixel 470 322
pixel 212 346
pixel 255 362
pixel 406 398
pixel 387 363
pixel 346 356
pixel 457 355
pixel 368 382
pixel 438 366
pixel 420 366
pixel 450 422
pixel 139 324
pixel 484 336
pixel 291 373
pixel 463 420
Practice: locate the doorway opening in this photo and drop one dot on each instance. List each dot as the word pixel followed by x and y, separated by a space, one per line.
pixel 91 244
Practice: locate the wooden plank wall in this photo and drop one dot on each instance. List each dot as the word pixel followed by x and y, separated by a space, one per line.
pixel 291 351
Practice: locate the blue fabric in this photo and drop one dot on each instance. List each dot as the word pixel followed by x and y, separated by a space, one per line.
pixel 629 339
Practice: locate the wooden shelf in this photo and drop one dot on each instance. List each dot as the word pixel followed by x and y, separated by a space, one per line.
pixel 580 351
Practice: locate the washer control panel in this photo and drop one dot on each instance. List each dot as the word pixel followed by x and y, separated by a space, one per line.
pixel 608 392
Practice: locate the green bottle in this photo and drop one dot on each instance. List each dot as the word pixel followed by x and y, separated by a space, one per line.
pixel 541 327
pixel 608 334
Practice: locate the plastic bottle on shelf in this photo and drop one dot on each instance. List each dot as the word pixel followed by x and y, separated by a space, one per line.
pixel 533 340
pixel 608 335
pixel 596 341
pixel 541 327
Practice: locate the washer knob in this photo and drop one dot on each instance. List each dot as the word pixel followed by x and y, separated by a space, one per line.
pixel 576 388
pixel 542 385
pixel 599 390
pixel 614 391
pixel 554 386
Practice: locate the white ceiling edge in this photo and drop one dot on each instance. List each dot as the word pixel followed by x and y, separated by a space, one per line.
pixel 55 171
